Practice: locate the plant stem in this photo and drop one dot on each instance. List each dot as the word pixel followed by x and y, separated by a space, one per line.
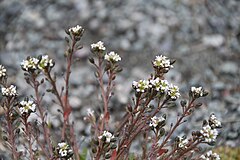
pixel 46 133
pixel 10 130
pixel 29 137
pixel 176 125
pixel 104 96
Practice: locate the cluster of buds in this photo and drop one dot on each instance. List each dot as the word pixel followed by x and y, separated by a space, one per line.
pixel 210 156
pixel 157 122
pixel 27 107
pixel 98 47
pixel 209 134
pixel 43 63
pixel 162 64
pixel 106 137
pixel 10 91
pixel 197 92
pixel 141 86
pixel 30 64
pixel 182 142
pixel 76 31
pixel 209 131
pixel 90 116
pixel 112 57
pixel 3 72
pixel 160 85
pixel 173 92
pixel 106 145
pixel 214 122
pixel 64 150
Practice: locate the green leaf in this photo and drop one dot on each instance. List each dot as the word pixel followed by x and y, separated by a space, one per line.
pixel 83 155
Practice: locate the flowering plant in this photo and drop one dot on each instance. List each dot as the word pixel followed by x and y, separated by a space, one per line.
pixel 144 120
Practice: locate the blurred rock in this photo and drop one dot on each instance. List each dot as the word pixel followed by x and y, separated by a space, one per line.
pixel 229 68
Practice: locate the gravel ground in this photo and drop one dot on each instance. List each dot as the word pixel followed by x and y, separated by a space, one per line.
pixel 202 35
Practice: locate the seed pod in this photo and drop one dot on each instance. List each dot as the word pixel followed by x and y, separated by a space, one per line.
pixel 5 138
pixel 67 39
pixel 183 103
pixel 198 105
pixel 107 156
pixel 67 31
pixel 113 146
pixel 162 132
pixel 94 150
pixel 91 60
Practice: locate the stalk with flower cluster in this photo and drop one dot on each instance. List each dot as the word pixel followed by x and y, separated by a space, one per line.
pixel 9 93
pixel 107 63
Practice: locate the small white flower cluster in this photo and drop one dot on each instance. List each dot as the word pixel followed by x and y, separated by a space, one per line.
pixel 155 121
pixel 162 62
pixel 197 92
pixel 173 92
pixel 182 142
pixel 2 71
pixel 112 57
pixel 29 64
pixel 32 63
pixel 45 62
pixel 90 112
pixel 209 134
pixel 160 85
pixel 210 156
pixel 9 91
pixel 76 30
pixel 141 85
pixel 106 137
pixel 27 106
pixel 214 122
pixel 64 150
pixel 99 46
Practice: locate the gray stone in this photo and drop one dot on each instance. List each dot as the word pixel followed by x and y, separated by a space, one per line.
pixel 229 68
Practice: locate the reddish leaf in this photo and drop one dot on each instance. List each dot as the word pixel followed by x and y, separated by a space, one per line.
pixel 162 151
pixel 107 117
pixel 67 109
pixel 67 112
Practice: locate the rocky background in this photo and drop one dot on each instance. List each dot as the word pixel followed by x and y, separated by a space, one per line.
pixel 202 35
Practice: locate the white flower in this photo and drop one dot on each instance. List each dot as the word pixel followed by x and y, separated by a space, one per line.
pixel 107 136
pixel 112 57
pixel 30 64
pixel 214 122
pixel 210 156
pixel 2 71
pixel 76 30
pixel 141 85
pixel 162 62
pixel 45 62
pixel 197 92
pixel 182 142
pixel 160 85
pixel 173 92
pixel 90 112
pixel 155 121
pixel 27 106
pixel 10 91
pixel 64 149
pixel 98 46
pixel 209 134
